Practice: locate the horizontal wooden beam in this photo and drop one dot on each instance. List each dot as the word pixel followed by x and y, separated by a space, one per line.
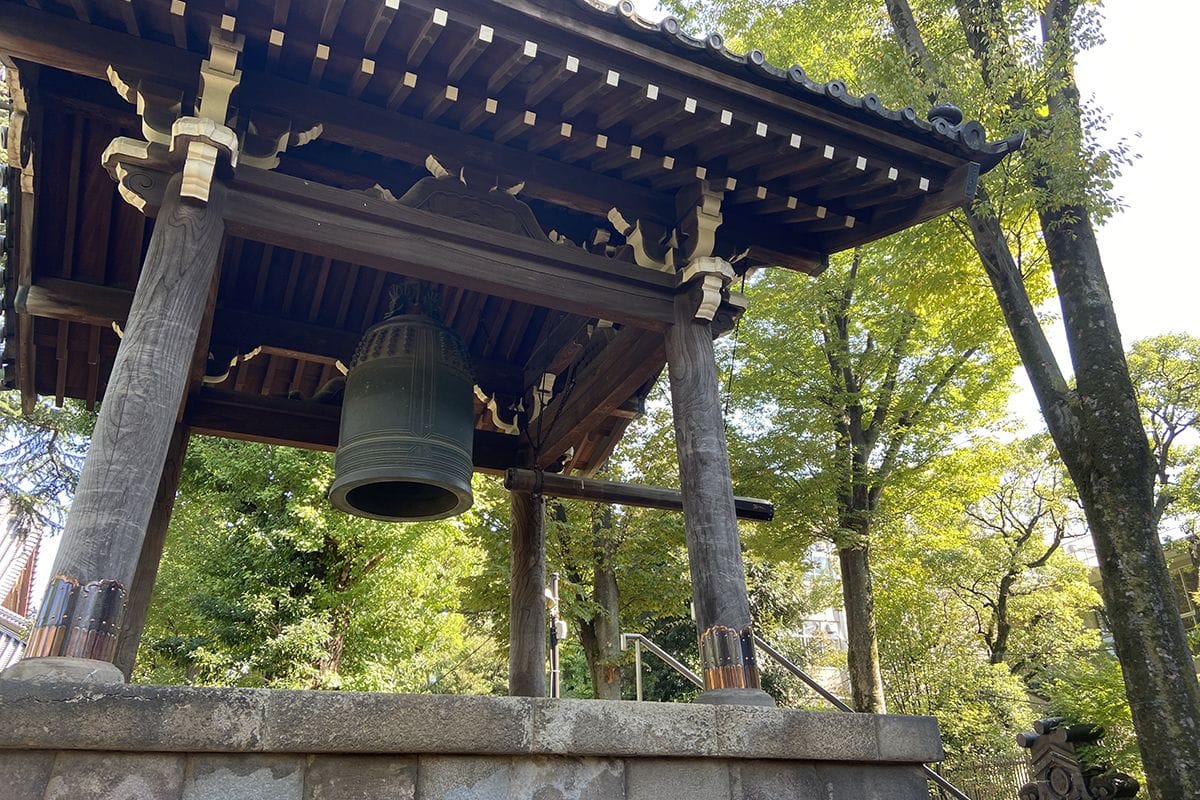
pixel 627 494
pixel 631 359
pixel 352 226
pixel 76 301
pixel 313 426
pixel 84 49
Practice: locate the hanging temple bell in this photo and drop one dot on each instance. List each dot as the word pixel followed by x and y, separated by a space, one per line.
pixel 407 428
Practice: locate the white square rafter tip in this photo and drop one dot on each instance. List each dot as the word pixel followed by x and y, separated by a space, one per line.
pixel 565 130
pixel 601 141
pixel 451 92
pixel 322 52
pixel 486 33
pixel 530 50
pixel 651 91
pixel 530 118
pixel 726 117
pixel 792 202
pixel 860 164
pixel 829 151
pixel 795 140
pixel 821 212
pixel 730 184
pixel 613 78
pixel 572 64
pixel 849 222
pixel 635 151
pixel 178 7
pixel 893 174
pixel 440 17
pixel 276 37
pixel 761 129
pixel 924 184
pixel 701 173
pixel 668 162
pixel 228 22
pixel 410 79
pixel 491 105
pixel 689 105
pixel 760 192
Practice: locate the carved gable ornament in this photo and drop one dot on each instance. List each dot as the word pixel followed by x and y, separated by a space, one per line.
pixel 464 197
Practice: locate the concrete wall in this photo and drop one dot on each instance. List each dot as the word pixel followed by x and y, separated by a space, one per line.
pixel 176 743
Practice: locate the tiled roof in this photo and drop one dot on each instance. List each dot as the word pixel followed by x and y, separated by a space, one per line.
pixel 944 124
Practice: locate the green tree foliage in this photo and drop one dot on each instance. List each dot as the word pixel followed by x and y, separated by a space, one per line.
pixel 1166 373
pixel 40 459
pixel 850 385
pixel 263 583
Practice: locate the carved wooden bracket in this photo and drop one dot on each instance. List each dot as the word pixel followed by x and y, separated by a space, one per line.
pixel 711 276
pixel 196 144
pixel 659 247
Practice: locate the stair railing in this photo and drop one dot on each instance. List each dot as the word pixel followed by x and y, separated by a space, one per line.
pixel 639 641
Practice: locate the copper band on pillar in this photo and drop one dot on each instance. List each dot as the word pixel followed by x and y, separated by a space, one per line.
pixel 50 630
pixel 727 658
pixel 96 621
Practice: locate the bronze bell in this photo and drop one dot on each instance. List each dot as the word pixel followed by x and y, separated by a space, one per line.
pixel 404 453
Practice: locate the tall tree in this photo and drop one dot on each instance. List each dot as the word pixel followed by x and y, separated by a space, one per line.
pixel 1020 74
pixel 848 386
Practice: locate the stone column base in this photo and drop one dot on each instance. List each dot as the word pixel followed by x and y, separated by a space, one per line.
pixel 63 669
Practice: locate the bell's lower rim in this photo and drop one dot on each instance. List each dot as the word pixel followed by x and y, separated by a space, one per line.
pixel 343 493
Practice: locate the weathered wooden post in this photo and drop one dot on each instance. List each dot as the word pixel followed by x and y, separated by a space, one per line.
pixel 527 599
pixel 719 597
pixel 82 615
pixel 76 634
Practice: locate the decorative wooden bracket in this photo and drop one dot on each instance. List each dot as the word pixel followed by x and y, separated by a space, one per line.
pixel 656 246
pixel 711 276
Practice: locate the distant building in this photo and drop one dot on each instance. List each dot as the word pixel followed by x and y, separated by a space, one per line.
pixel 18 561
pixel 1183 561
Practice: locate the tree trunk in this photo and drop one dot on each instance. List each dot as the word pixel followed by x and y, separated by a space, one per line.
pixel 862 655
pixel 601 635
pixel 998 646
pixel 1114 472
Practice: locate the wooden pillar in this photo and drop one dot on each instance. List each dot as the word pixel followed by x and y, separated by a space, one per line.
pixel 152 549
pixel 527 605
pixel 84 606
pixel 722 608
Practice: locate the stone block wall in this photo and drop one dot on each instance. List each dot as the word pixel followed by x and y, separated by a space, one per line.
pixel 61 741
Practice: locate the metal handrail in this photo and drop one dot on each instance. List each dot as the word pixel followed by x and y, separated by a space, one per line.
pixel 640 641
pixel 809 681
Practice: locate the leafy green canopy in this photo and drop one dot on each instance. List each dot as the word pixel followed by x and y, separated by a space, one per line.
pixel 264 583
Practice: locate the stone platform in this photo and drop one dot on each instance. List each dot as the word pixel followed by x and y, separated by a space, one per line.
pixel 115 742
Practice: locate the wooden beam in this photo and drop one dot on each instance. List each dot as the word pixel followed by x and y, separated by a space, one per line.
pixel 627 494
pixel 631 359
pixel 351 226
pixel 100 306
pixel 309 425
